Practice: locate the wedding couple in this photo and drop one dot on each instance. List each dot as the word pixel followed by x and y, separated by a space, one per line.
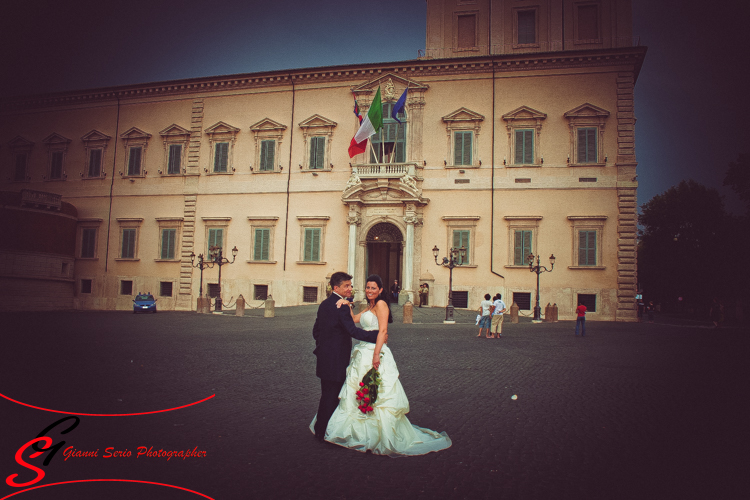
pixel 385 430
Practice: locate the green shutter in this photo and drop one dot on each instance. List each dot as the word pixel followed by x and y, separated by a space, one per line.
pixel 175 157
pixel 461 239
pixel 221 157
pixel 215 238
pixel 458 145
pixel 95 160
pixel 312 244
pixel 267 149
pixel 55 171
pixel 262 244
pixel 522 247
pixel 88 243
pixel 587 248
pixel 128 243
pixel 134 161
pixel 168 243
pixel 317 152
pixel 587 150
pixel 524 153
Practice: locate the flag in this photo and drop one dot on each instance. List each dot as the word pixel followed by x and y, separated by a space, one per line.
pixel 399 106
pixel 356 148
pixel 368 126
pixel 356 109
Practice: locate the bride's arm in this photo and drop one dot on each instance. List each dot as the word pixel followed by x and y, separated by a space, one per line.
pixel 350 305
pixel 381 311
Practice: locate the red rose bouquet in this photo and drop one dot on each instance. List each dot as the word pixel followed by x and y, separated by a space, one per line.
pixel 368 390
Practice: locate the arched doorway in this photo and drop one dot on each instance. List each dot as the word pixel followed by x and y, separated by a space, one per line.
pixel 384 248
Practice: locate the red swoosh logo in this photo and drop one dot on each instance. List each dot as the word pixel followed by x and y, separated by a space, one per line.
pixel 107 415
pixel 101 480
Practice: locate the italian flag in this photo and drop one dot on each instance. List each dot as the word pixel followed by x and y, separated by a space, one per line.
pixel 369 127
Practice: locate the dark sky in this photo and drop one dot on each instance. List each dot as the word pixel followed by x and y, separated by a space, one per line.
pixel 692 102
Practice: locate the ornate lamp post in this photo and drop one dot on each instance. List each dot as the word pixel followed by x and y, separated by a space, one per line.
pixel 202 264
pixel 217 257
pixel 539 269
pixel 456 256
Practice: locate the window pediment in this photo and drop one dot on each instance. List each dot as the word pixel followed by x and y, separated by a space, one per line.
pixel 587 110
pixel 372 85
pixel 524 113
pixel 174 130
pixel 316 122
pixel 462 116
pixel 20 144
pixel 221 128
pixel 135 134
pixel 54 139
pixel 266 124
pixel 95 137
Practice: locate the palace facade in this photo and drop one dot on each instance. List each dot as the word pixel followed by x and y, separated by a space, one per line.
pixel 517 138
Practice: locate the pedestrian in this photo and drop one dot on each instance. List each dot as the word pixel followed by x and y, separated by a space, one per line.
pixel 581 319
pixel 395 288
pixel 424 291
pixel 484 310
pixel 498 308
pixel 641 307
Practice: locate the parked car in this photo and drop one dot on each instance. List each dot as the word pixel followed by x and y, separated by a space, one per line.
pixel 144 302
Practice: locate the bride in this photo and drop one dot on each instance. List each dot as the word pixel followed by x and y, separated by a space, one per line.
pixel 385 430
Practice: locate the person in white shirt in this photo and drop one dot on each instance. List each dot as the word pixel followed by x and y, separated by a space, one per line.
pixel 498 308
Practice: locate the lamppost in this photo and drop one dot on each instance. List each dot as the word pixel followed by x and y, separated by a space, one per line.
pixel 539 269
pixel 217 257
pixel 457 255
pixel 202 264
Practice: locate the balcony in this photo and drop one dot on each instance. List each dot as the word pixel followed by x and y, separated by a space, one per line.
pixel 385 170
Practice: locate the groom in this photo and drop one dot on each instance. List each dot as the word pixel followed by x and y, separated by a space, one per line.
pixel 333 330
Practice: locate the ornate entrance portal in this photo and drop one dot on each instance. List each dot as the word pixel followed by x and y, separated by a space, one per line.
pixel 384 251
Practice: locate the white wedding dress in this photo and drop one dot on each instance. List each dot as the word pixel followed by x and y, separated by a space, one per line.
pixel 385 430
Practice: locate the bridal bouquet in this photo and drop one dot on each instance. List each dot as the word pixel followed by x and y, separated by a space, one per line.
pixel 368 390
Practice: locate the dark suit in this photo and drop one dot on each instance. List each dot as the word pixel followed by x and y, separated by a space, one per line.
pixel 333 333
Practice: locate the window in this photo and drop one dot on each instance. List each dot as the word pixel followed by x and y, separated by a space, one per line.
pixel 174 159
pixel 19 173
pixel 213 290
pixel 267 152
pixel 389 144
pixel 312 244
pixel 168 240
pixel 261 243
pixel 461 240
pixel 586 248
pixel 587 28
pixel 134 161
pixel 128 244
pixel 526 22
pixel 462 147
pixel 524 147
pixel 460 299
pixel 86 286
pixel 522 300
pixel 165 288
pixel 215 238
pixel 88 243
pixel 467 31
pixel 56 165
pixel 586 145
pixel 221 156
pixel 96 143
pixel 261 292
pixel 309 294
pixel 317 152
pixel 216 233
pixel 522 247
pixel 463 127
pixel 95 163
pixel 57 147
pixel 126 287
pixel 588 300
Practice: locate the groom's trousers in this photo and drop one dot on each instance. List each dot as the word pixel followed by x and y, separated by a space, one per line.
pixel 329 400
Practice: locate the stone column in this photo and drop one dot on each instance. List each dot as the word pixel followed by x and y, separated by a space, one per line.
pixel 353 220
pixel 410 220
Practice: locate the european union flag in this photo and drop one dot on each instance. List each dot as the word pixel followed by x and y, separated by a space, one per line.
pixel 399 106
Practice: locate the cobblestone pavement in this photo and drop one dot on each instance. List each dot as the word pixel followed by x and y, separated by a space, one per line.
pixel 631 411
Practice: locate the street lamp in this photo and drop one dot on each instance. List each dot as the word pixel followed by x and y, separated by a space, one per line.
pixel 457 256
pixel 539 269
pixel 217 257
pixel 200 265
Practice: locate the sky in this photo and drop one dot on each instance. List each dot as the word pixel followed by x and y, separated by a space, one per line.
pixel 691 102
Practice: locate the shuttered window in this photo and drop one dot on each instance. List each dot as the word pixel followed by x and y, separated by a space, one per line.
pixel 20 171
pixel 317 152
pixel 128 244
pixel 95 163
pixel 134 161
pixel 462 144
pixel 55 165
pixel 393 148
pixel 524 147
pixel 221 157
pixel 88 243
pixel 461 239
pixel 586 248
pixel 312 244
pixel 526 26
pixel 175 159
pixel 262 244
pixel 522 247
pixel 168 239
pixel 267 150
pixel 587 145
pixel 215 238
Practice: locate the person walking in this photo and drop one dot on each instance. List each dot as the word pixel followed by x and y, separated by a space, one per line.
pixel 484 310
pixel 581 319
pixel 496 328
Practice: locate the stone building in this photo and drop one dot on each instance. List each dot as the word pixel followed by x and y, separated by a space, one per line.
pixel 517 138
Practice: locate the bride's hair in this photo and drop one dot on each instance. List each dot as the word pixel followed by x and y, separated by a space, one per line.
pixel 383 294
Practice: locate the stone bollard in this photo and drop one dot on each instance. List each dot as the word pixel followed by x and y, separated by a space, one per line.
pixel 408 312
pixel 547 313
pixel 240 309
pixel 270 311
pixel 204 305
pixel 403 297
pixel 554 312
pixel 514 313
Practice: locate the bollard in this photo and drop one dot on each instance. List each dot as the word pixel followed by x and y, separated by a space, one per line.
pixel 270 311
pixel 547 313
pixel 514 313
pixel 403 297
pixel 240 309
pixel 408 312
pixel 204 305
pixel 554 312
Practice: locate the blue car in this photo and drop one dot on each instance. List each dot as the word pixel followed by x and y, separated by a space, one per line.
pixel 144 302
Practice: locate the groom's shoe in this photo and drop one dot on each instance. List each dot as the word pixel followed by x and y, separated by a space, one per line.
pixel 319 437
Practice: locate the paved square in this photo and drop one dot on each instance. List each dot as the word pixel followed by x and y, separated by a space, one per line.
pixel 630 411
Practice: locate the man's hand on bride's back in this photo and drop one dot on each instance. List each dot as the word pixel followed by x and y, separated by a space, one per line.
pixel 342 301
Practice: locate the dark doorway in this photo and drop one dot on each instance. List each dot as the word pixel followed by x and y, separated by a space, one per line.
pixel 384 247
